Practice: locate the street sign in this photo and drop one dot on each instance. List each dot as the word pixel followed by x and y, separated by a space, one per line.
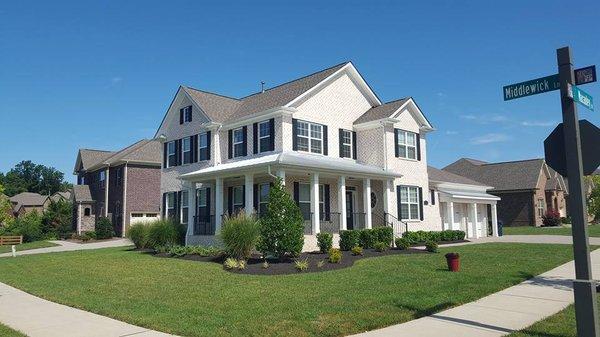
pixel 581 97
pixel 546 84
pixel 554 148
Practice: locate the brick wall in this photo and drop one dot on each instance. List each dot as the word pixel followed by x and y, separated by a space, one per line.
pixel 143 190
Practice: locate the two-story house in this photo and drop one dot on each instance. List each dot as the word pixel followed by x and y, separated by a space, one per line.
pixel 123 186
pixel 349 160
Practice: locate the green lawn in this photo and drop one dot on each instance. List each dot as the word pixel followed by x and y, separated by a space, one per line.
pixel 8 332
pixel 27 246
pixel 201 299
pixel 560 325
pixel 593 230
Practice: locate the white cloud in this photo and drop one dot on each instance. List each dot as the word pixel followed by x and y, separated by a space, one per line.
pixel 470 117
pixel 490 138
pixel 486 118
pixel 538 123
pixel 451 132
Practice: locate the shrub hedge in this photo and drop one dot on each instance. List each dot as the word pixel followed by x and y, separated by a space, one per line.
pixel 366 238
pixel 349 239
pixel 104 229
pixel 138 234
pixel 240 234
pixel 325 242
pixel 420 237
pixel 164 232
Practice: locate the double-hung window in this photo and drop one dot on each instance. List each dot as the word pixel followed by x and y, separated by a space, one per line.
pixel 186 150
pixel 409 203
pixel 264 136
pixel 102 178
pixel 310 137
pixel 184 207
pixel 187 114
pixel 203 146
pixel 238 142
pixel 540 207
pixel 346 146
pixel 171 205
pixel 263 198
pixel 171 154
pixel 304 200
pixel 407 144
pixel 238 198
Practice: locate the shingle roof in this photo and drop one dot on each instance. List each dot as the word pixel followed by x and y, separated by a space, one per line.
pixel 382 111
pixel 90 157
pixel 61 195
pixel 28 199
pixel 449 177
pixel 81 193
pixel 143 151
pixel 514 175
pixel 224 109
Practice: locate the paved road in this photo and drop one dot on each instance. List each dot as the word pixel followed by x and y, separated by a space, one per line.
pixel 66 246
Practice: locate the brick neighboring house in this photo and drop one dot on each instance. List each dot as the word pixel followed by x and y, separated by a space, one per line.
pixel 527 188
pixel 26 202
pixel 123 186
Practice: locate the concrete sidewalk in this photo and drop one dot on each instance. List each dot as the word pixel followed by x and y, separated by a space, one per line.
pixel 37 317
pixel 67 246
pixel 501 313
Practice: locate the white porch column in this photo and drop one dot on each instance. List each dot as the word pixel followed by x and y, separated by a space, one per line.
pixel 191 188
pixel 387 191
pixel 342 202
pixel 218 204
pixel 367 202
pixel 281 174
pixel 473 220
pixel 215 147
pixel 494 220
pixel 314 203
pixel 249 189
pixel 450 215
pixel 106 184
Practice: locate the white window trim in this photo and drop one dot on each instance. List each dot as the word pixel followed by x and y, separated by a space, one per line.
pixel 348 144
pixel 541 207
pixel 309 137
pixel 184 198
pixel 409 203
pixel 321 196
pixel 201 190
pixel 260 200
pixel 102 178
pixel 200 147
pixel 233 204
pixel 241 130
pixel 171 206
pixel 169 153
pixel 183 151
pixel 187 111
pixel 260 137
pixel 406 145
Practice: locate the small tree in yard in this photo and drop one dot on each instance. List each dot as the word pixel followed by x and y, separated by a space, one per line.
pixel 104 229
pixel 57 219
pixel 594 197
pixel 282 227
pixel 551 218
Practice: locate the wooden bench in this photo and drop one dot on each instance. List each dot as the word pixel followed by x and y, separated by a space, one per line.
pixel 11 240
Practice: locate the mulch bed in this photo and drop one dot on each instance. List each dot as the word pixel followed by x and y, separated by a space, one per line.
pixel 91 241
pixel 276 267
pixel 441 243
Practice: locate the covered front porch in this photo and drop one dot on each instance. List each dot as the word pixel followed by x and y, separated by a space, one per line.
pixel 473 212
pixel 331 196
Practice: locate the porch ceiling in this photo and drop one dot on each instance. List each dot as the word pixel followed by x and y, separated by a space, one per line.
pixel 466 194
pixel 292 161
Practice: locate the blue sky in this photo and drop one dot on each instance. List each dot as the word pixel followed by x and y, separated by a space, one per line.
pixel 96 74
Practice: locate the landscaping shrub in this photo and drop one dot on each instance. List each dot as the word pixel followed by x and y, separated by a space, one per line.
pixel 358 250
pixel 349 239
pixel 29 225
pixel 380 246
pixel 551 218
pixel 239 234
pixel 138 234
pixel 320 264
pixel 230 263
pixel 325 242
pixel 431 246
pixel 104 229
pixel 383 234
pixel 366 238
pixel 265 265
pixel 420 237
pixel 301 265
pixel 282 227
pixel 241 264
pixel 162 233
pixel 402 243
pixel 335 255
pixel 58 219
pixel 87 236
pixel 416 237
pixel 565 220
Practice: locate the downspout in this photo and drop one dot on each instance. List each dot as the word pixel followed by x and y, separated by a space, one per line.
pixel 271 174
pixel 385 154
pixel 106 184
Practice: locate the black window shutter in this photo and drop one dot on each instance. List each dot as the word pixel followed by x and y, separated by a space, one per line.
pixel 244 196
pixel 272 133
pixel 177 206
pixel 165 145
pixel 245 132
pixel 418 136
pixel 230 200
pixel 421 203
pixel 325 145
pixel 179 143
pixel 208 204
pixel 297 192
pixel 194 148
pixel 354 145
pixel 433 197
pixel 341 140
pixel 230 143
pixel 327 203
pixel 399 202
pixel 255 138
pixel 164 203
pixel 180 116
pixel 208 145
pixel 397 150
pixel 255 197
pixel 294 134
pixel 191 114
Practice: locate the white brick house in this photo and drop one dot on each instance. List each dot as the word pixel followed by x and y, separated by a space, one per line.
pixel 349 160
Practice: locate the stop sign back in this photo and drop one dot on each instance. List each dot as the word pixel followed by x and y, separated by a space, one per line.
pixel 554 148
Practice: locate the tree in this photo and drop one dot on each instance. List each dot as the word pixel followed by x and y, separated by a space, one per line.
pixel 27 176
pixel 594 198
pixel 58 218
pixel 6 214
pixel 282 227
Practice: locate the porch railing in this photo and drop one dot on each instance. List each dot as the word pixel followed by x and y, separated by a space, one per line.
pixel 204 225
pixel 399 226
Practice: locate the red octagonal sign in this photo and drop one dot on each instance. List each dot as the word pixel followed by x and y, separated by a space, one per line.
pixel 554 148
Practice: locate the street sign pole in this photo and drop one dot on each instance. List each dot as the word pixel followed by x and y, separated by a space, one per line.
pixel 586 310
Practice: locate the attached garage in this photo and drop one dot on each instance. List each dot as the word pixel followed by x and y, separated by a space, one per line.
pixel 143 217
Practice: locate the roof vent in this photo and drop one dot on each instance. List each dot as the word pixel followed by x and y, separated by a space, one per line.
pixel 262 86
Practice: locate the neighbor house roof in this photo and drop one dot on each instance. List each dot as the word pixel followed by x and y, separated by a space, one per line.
pixel 61 195
pixel 143 152
pixel 449 177
pixel 27 199
pixel 81 193
pixel 513 175
pixel 381 111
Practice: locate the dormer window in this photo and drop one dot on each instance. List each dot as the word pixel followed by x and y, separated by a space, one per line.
pixel 406 144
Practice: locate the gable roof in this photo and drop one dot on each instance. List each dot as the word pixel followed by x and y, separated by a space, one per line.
pixel 504 176
pixel 27 199
pixel 81 193
pixel 216 107
pixel 143 152
pixel 61 195
pixel 382 111
pixel 87 158
pixel 449 177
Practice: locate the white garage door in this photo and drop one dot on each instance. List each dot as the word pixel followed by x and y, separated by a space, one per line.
pixel 143 217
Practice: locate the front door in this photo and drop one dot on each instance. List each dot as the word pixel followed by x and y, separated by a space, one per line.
pixel 349 210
